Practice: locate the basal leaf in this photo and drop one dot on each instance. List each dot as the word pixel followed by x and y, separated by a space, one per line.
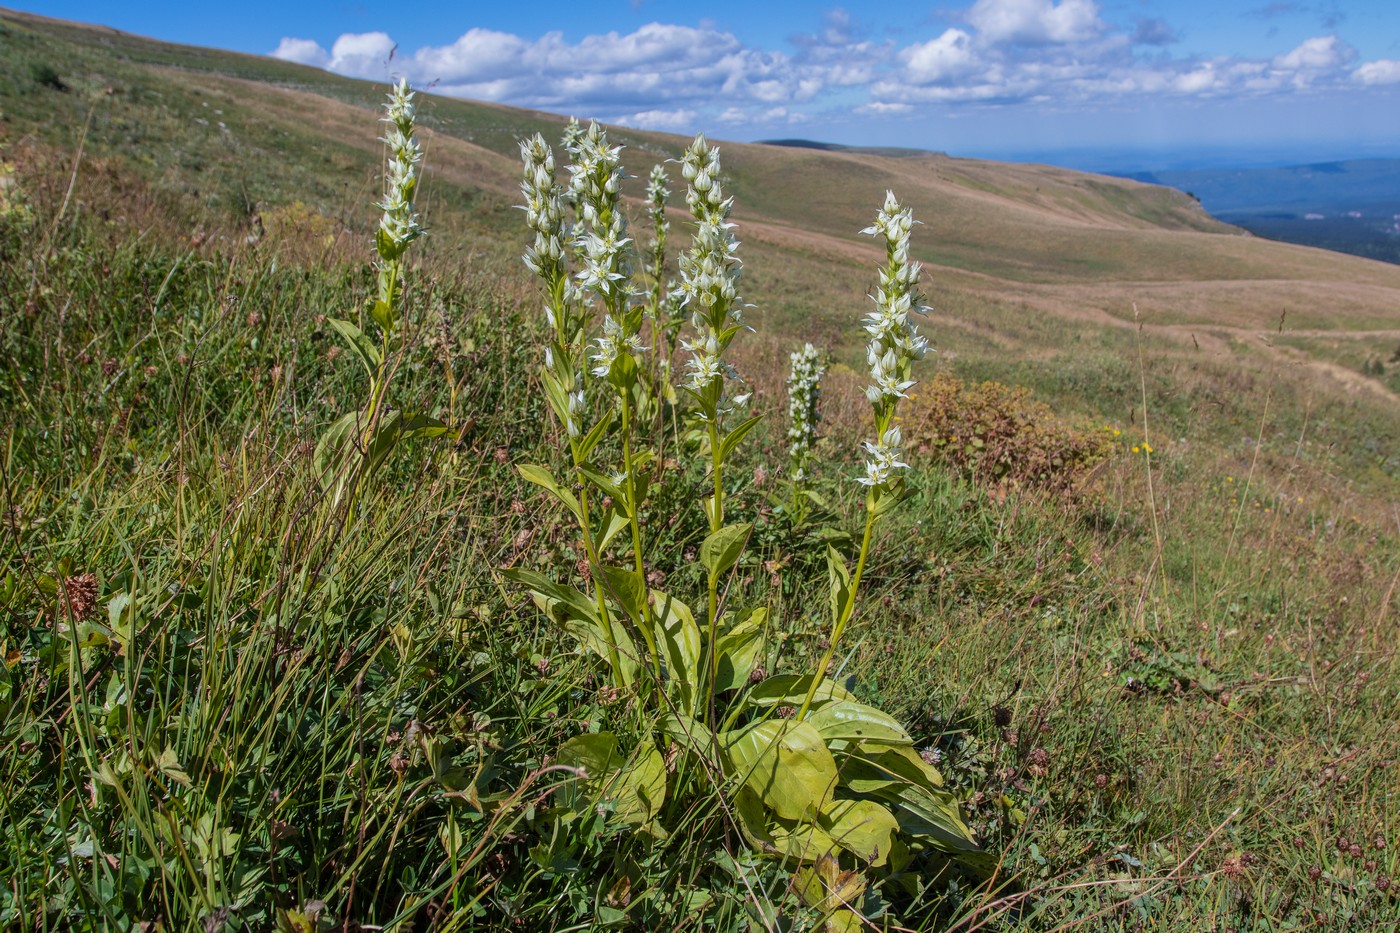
pixel 678 638
pixel 791 690
pixel 785 763
pixel 800 840
pixel 634 788
pixel 857 722
pixel 862 827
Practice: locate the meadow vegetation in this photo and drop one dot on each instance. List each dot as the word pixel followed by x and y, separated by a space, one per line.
pixel 1144 635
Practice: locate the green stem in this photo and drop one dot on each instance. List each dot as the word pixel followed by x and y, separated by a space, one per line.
pixel 712 582
pixel 847 610
pixel 591 551
pixel 633 506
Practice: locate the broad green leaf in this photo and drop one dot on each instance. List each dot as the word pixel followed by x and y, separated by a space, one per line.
pixel 634 788
pixel 804 841
pixel 791 690
pixel 595 752
pixel 722 548
pixel 383 441
pixel 752 817
pixel 678 638
pixel 690 734
pixel 385 314
pixel 933 819
pixel 883 501
pixel 540 476
pixel 732 439
pixel 595 434
pixel 556 394
pixel 623 372
pixel 169 764
pixel 928 815
pixel 613 523
pixel 421 425
pixel 640 790
pixel 857 722
pixel 884 762
pixel 625 586
pixel 737 650
pixel 839 579
pixel 363 348
pixel 785 763
pixel 862 827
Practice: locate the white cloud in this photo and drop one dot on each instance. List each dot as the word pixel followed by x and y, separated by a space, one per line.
pixel 302 51
pixel 477 54
pixel 881 107
pixel 949 56
pixel 1034 22
pixel 1384 71
pixel 671 120
pixel 675 77
pixel 362 55
pixel 1316 54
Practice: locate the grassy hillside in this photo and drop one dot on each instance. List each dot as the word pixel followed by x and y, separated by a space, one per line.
pixel 1156 669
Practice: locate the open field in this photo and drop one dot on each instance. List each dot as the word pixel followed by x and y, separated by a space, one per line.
pixel 1167 699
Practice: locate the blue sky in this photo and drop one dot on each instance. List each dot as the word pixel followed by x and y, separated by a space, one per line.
pixel 1110 84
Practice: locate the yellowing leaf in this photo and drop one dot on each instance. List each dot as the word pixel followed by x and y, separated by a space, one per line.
pixel 861 827
pixel 786 763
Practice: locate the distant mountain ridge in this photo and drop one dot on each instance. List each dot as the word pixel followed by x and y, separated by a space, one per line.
pixel 892 152
pixel 1348 206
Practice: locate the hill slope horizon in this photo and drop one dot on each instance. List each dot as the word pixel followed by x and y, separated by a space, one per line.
pixel 1013 253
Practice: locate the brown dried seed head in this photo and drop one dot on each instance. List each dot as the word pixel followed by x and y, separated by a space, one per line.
pixel 80 596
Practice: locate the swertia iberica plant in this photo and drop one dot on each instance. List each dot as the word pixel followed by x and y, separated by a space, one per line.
pixel 357 444
pixel 805 772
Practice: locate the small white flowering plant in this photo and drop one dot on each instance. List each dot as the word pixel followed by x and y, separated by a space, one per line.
pixel 804 411
pixel 804 772
pixel 357 444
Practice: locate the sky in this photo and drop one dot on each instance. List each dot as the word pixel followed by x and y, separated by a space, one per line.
pixel 1117 84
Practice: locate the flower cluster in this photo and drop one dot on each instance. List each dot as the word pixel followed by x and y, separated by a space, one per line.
pixel 709 277
pixel 595 184
pixel 544 211
pixel 883 457
pixel 399 225
pixel 804 392
pixel 613 344
pixel 657 193
pixel 603 243
pixel 895 343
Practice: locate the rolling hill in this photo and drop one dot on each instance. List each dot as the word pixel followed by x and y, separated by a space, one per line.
pixel 1026 264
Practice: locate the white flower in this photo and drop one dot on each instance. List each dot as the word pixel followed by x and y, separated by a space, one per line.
pixel 895 343
pixel 399 224
pixel 883 458
pixel 613 344
pixel 804 391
